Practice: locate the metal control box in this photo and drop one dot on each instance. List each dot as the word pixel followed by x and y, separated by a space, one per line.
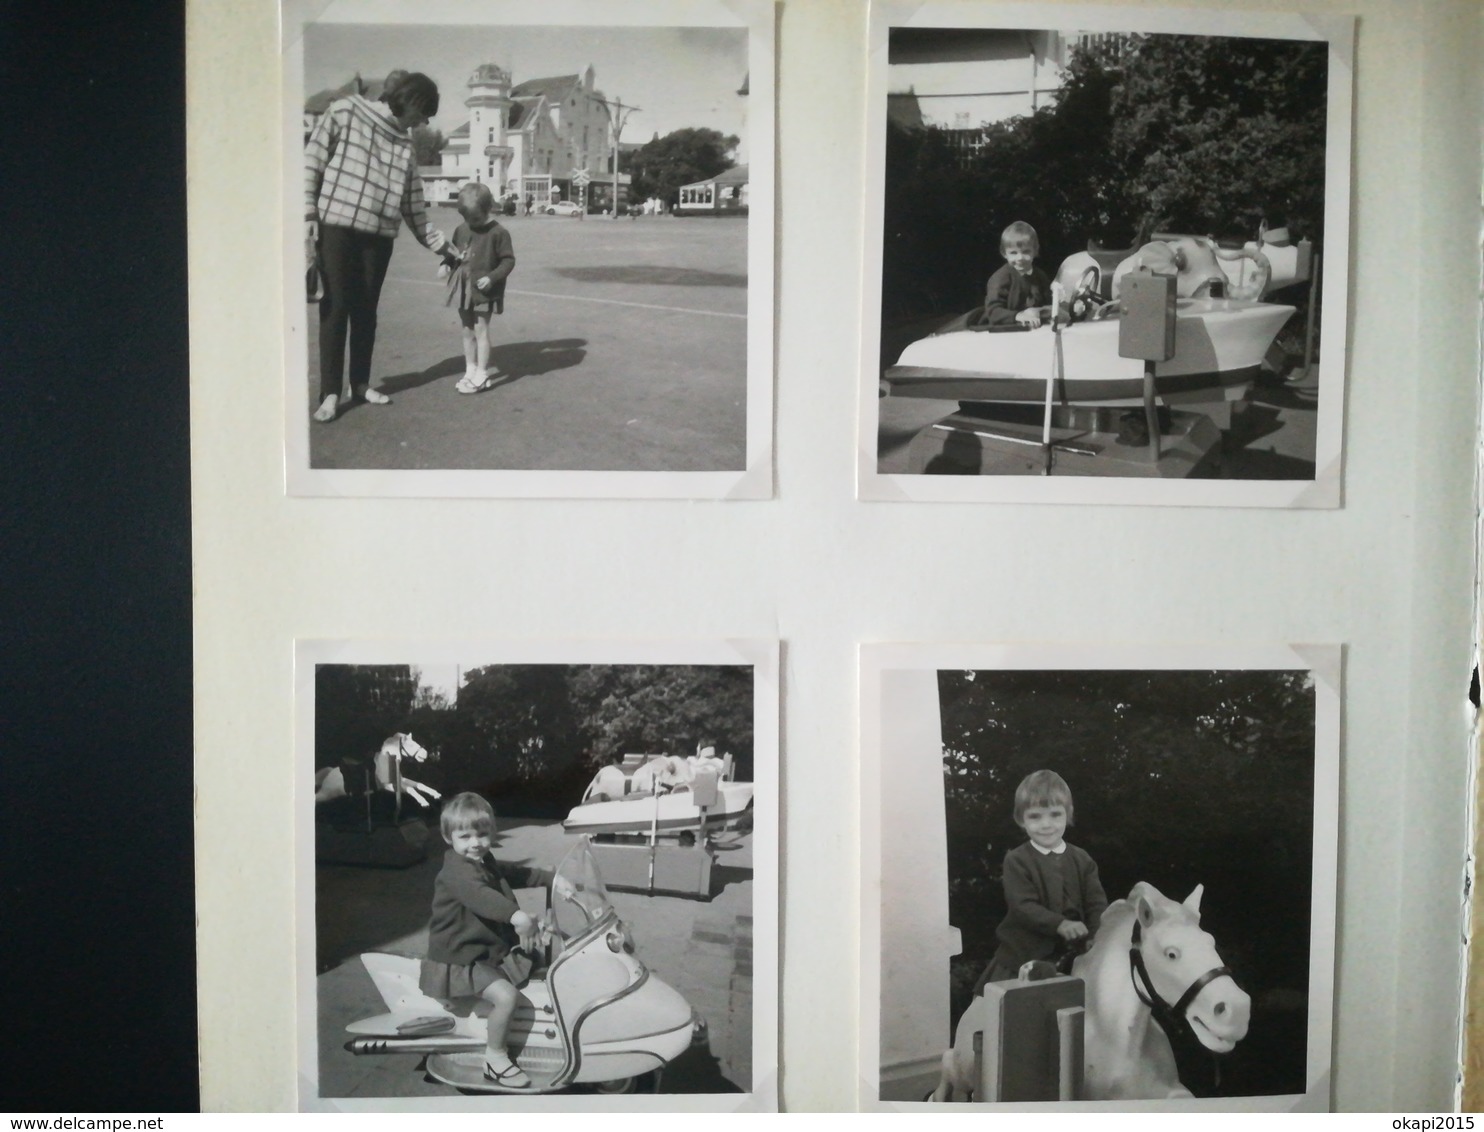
pixel 1146 329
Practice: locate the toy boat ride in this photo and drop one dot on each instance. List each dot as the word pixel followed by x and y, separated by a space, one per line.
pixel 1223 331
pixel 653 794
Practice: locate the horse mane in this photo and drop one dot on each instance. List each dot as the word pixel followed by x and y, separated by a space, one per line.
pixel 1117 921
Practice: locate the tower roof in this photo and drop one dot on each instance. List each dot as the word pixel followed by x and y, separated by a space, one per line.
pixel 487 73
pixel 555 87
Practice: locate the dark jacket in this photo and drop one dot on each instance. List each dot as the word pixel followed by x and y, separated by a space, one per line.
pixel 1034 911
pixel 488 252
pixel 472 906
pixel 1008 293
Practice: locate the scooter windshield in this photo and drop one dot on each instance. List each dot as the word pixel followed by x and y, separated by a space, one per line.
pixel 578 898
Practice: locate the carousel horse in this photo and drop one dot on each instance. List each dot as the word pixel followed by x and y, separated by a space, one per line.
pixel 1149 967
pixel 329 782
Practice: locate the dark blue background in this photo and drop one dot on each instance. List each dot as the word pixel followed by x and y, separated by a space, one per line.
pixel 96 894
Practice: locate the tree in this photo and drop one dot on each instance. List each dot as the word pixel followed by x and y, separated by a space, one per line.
pixel 660 166
pixel 539 730
pixel 1199 134
pixel 514 724
pixel 427 144
pixel 356 706
pixel 665 709
pixel 1178 778
pixel 1218 133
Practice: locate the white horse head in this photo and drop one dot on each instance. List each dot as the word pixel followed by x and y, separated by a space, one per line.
pixel 1151 963
pixel 403 745
pixel 1184 969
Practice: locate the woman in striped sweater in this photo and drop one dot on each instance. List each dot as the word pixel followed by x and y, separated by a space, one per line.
pixel 361 182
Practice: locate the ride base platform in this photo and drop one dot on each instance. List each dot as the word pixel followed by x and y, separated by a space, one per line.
pixel 1005 440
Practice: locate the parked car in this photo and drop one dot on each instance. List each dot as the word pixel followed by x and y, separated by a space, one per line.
pixel 563 208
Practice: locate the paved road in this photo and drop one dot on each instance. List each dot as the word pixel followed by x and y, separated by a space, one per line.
pixel 701 948
pixel 622 347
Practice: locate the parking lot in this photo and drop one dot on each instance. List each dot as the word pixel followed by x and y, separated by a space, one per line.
pixel 622 348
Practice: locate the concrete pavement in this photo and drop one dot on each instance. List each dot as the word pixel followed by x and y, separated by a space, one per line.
pixel 622 348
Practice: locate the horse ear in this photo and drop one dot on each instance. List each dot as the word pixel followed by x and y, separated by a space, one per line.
pixel 1144 910
pixel 1193 901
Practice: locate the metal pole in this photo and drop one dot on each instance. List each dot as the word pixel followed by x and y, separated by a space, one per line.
pixel 1313 303
pixel 1053 374
pixel 1151 414
pixel 397 782
pixel 613 204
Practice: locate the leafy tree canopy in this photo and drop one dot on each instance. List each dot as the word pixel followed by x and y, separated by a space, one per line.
pixel 662 165
pixel 427 144
pixel 1178 778
pixel 665 709
pixel 1199 134
pixel 357 706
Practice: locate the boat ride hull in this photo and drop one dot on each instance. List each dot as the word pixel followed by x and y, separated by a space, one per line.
pixel 675 812
pixel 1219 345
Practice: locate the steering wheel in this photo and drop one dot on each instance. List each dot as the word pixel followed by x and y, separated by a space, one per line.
pixel 1085 304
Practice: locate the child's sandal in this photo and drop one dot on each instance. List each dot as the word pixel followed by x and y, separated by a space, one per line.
pixel 474 384
pixel 508 1076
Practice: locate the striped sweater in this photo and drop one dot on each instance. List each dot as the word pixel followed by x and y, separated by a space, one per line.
pixel 361 173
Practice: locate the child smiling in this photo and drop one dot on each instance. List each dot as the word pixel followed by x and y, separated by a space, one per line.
pixel 1016 292
pixel 1054 899
pixel 475 924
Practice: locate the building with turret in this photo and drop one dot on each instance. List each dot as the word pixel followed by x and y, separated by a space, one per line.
pixel 548 139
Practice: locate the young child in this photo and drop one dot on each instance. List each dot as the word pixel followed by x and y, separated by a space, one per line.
pixel 475 924
pixel 1053 897
pixel 479 267
pixel 1016 292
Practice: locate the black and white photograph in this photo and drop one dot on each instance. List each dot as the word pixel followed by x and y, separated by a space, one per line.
pixel 536 256
pixel 1100 877
pixel 1106 260
pixel 529 878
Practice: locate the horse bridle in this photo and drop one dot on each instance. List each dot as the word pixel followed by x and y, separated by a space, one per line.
pixel 1138 973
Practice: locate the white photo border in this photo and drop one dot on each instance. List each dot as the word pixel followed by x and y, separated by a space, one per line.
pixel 756 479
pixel 761 656
pixel 1325 489
pixel 1324 661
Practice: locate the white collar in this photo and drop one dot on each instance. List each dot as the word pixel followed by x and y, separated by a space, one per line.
pixel 1059 848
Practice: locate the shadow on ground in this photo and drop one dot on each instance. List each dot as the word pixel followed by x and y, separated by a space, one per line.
pixel 655 275
pixel 509 362
pixel 696 1071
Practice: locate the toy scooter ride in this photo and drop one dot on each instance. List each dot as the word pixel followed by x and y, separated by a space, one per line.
pixel 591 1015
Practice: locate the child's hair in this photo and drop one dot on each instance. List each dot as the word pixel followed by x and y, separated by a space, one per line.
pixel 1020 233
pixel 1040 788
pixel 476 199
pixel 466 811
pixel 413 91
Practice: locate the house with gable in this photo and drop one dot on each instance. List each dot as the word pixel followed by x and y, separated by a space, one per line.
pixel 316 104
pixel 545 138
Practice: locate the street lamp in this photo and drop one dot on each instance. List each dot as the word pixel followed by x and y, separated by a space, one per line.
pixel 615 127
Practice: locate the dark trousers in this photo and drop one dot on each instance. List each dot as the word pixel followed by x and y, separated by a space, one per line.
pixel 354 266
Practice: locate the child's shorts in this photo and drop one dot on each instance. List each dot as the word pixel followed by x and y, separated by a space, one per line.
pixel 444 980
